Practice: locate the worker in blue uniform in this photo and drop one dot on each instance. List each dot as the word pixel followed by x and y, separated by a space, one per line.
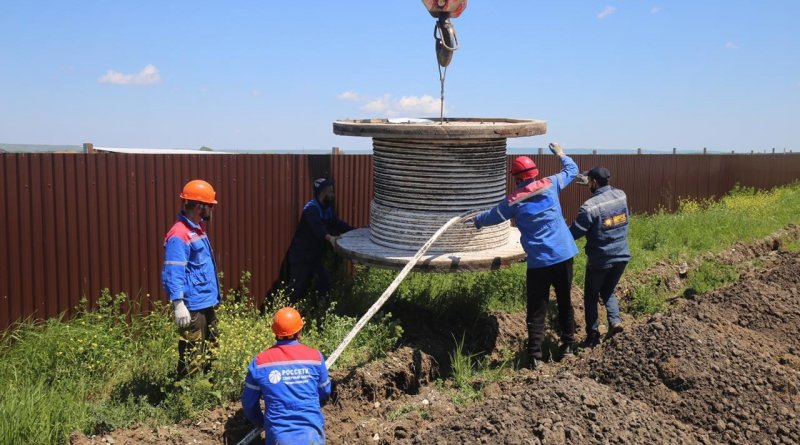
pixel 319 225
pixel 189 277
pixel 549 246
pixel 293 381
pixel 603 219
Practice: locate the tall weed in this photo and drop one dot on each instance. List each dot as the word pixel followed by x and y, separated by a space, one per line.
pixel 112 367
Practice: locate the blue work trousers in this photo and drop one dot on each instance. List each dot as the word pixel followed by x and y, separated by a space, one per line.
pixel 600 284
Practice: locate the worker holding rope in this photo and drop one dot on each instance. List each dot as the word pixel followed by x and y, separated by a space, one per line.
pixel 292 379
pixel 548 243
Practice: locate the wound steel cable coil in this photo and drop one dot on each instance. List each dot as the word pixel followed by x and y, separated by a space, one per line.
pixel 421 183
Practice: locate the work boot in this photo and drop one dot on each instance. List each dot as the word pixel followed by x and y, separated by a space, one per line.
pixel 592 340
pixel 568 350
pixel 535 364
pixel 615 328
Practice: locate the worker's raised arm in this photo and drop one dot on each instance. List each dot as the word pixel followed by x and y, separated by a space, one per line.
pixel 569 169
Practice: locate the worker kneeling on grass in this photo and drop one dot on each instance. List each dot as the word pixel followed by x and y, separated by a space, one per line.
pixel 546 240
pixel 293 381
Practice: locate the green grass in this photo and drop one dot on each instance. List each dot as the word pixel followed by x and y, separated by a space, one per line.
pixel 406 409
pixel 470 374
pixel 793 246
pixel 110 368
pixel 710 275
pixel 647 298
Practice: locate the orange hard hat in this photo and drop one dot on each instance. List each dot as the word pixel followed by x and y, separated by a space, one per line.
pixel 286 322
pixel 524 168
pixel 199 190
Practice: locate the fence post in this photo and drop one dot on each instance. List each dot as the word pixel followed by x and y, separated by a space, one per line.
pixel 540 151
pixel 594 152
pixel 638 151
pixel 704 150
pixel 88 147
pixel 674 150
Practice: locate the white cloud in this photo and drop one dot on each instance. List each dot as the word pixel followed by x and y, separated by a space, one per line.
pixel 149 75
pixel 655 9
pixel 421 104
pixel 731 45
pixel 349 95
pixel 390 106
pixel 607 11
pixel 378 105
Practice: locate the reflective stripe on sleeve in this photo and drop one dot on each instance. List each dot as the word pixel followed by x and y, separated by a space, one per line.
pixel 253 387
pixel 575 223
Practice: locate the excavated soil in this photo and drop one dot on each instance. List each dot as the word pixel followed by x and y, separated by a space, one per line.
pixel 723 367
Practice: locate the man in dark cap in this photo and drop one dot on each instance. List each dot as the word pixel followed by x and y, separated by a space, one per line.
pixel 603 219
pixel 318 226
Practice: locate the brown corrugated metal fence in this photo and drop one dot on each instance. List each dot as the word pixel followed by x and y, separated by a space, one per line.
pixel 73 224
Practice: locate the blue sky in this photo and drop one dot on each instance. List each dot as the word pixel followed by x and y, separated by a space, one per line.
pixel 270 75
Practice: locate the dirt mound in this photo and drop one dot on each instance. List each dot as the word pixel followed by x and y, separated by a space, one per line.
pixel 403 372
pixel 723 363
pixel 536 409
pixel 222 425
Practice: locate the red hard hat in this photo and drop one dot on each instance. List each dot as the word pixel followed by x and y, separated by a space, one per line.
pixel 524 168
pixel 199 190
pixel 286 322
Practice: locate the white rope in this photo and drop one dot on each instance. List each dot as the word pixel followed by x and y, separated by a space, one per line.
pixel 375 306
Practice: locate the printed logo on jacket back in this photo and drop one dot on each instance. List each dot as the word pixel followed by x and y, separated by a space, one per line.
pixel 275 377
pixel 614 221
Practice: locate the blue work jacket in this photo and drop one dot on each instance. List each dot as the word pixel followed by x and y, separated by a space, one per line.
pixel 190 272
pixel 317 221
pixel 293 381
pixel 536 209
pixel 603 219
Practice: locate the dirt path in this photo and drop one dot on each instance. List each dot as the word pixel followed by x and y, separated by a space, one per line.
pixel 721 368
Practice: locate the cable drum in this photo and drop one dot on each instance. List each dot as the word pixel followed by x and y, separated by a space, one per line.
pixel 421 184
pixel 426 172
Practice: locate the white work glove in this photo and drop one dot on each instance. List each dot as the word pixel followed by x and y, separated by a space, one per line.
pixel 471 223
pixel 556 149
pixel 582 179
pixel 332 239
pixel 182 316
